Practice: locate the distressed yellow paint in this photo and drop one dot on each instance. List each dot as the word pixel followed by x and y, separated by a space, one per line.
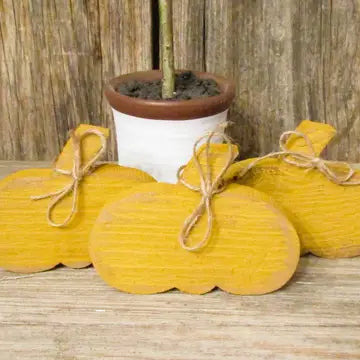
pixel 134 244
pixel 319 134
pixel 27 242
pixel 89 146
pixel 218 157
pixel 325 215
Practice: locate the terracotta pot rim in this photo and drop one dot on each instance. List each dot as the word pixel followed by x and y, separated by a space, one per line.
pixel 169 109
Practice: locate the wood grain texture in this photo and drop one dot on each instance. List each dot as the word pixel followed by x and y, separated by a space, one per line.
pixel 326 53
pixel 250 42
pixel 134 244
pixel 324 214
pixel 20 216
pixel 291 60
pixel 55 58
pixel 73 314
pixel 189 22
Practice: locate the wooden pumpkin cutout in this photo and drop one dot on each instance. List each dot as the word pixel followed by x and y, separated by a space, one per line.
pixel 253 248
pixel 27 242
pixel 324 213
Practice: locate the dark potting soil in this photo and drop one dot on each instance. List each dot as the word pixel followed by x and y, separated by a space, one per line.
pixel 187 86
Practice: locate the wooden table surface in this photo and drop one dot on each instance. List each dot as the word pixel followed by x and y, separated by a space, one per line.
pixel 71 314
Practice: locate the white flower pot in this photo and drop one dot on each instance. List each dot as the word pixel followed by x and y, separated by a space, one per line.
pixel 160 147
pixel 158 136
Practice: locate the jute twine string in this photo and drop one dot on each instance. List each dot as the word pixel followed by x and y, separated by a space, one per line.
pixel 208 188
pixel 77 173
pixel 309 161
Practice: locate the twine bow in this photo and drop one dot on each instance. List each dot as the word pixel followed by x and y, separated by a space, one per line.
pixel 208 188
pixel 309 161
pixel 77 174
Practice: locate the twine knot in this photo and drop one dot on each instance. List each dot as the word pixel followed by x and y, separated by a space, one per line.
pixel 208 188
pixel 328 168
pixel 77 173
pixel 339 172
pixel 316 161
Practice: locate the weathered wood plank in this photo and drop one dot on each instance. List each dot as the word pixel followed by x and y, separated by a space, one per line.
pixel 250 42
pixel 340 49
pixel 327 70
pixel 189 32
pixel 69 314
pixel 55 57
pixel 290 60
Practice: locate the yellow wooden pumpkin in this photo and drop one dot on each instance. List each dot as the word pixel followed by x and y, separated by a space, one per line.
pixel 252 248
pixel 324 213
pixel 27 242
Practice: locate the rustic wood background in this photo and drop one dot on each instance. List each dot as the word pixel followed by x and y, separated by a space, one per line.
pixel 55 57
pixel 291 60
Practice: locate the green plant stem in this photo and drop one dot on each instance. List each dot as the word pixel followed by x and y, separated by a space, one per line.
pixel 167 48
